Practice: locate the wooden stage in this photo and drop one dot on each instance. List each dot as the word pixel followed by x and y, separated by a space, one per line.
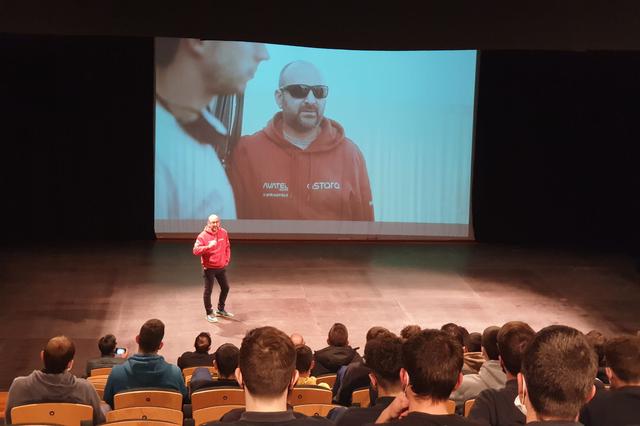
pixel 85 290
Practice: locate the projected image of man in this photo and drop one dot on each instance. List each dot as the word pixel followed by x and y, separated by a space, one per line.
pixel 301 165
pixel 191 181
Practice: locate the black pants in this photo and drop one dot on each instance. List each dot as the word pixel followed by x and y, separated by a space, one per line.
pixel 210 275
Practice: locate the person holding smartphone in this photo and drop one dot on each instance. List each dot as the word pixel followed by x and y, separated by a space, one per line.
pixel 110 354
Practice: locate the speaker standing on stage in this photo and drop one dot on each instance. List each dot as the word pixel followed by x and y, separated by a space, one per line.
pixel 212 245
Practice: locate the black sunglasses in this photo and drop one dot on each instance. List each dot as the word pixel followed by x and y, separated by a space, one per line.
pixel 301 91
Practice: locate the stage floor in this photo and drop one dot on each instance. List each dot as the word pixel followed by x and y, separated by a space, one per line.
pixel 85 290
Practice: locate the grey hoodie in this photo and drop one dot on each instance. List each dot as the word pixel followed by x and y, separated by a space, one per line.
pixel 490 376
pixel 42 387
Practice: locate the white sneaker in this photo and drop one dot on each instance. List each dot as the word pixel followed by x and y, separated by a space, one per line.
pixel 223 313
pixel 212 318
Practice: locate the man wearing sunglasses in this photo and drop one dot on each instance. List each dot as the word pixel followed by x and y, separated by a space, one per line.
pixel 301 165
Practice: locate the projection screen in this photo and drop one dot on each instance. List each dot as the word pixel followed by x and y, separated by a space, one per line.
pixel 297 142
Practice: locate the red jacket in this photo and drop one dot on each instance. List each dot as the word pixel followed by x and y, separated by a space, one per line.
pixel 216 257
pixel 274 179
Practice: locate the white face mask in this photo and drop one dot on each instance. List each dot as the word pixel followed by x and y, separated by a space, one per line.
pixel 519 405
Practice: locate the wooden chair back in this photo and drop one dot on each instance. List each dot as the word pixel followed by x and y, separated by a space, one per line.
pixel 309 395
pixel 468 405
pixel 214 397
pixel 99 383
pixel 317 410
pixel 148 398
pixel 329 379
pixel 451 406
pixel 58 413
pixel 360 398
pixel 146 413
pixel 100 371
pixel 211 414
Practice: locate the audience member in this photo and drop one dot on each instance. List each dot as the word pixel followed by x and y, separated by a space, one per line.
pixel 384 358
pixel 297 339
pixel 304 365
pixel 496 407
pixel 107 345
pixel 597 341
pixel 410 331
pixel 226 361
pixel 201 356
pixel 473 342
pixel 556 380
pixel 337 354
pixel 472 360
pixel 267 371
pixel 490 376
pixel 54 383
pixel 619 406
pixel 146 369
pixel 432 369
pixel 356 374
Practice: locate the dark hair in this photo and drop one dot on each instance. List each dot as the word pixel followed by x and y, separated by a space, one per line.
pixel 455 331
pixel 304 357
pixel 513 339
pixel 107 344
pixel 490 341
pixel 338 335
pixel 165 50
pixel 376 331
pixel 226 357
pixel 202 342
pixel 559 367
pixel 57 354
pixel 473 342
pixel 151 334
pixel 622 355
pixel 433 360
pixel 410 331
pixel 267 361
pixel 384 356
pixel 597 341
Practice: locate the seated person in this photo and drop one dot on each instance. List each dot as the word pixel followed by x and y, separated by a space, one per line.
pixel 146 369
pixel 598 340
pixel 201 356
pixel 432 369
pixel 226 362
pixel 304 365
pixel 558 369
pixel 54 383
pixel 267 371
pixel 490 376
pixel 107 345
pixel 337 354
pixel 496 407
pixel 410 331
pixel 384 357
pixel 472 360
pixel 618 406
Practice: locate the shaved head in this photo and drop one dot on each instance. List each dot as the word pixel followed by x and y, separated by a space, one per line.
pixel 300 72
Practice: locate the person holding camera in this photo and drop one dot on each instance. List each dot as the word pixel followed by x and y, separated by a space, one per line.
pixel 110 354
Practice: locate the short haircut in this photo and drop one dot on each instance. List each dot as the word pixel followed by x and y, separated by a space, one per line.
pixel 107 344
pixel 433 360
pixel 455 331
pixel 202 343
pixel 513 339
pixel 165 50
pixel 304 357
pixel 267 361
pixel 376 331
pixel 559 367
pixel 410 331
pixel 473 342
pixel 597 340
pixel 151 334
pixel 226 357
pixel 384 356
pixel 490 341
pixel 622 355
pixel 57 354
pixel 338 335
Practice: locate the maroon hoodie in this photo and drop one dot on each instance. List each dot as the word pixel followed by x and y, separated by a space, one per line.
pixel 274 179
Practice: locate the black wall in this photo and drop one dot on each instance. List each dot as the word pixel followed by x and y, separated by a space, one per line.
pixel 555 150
